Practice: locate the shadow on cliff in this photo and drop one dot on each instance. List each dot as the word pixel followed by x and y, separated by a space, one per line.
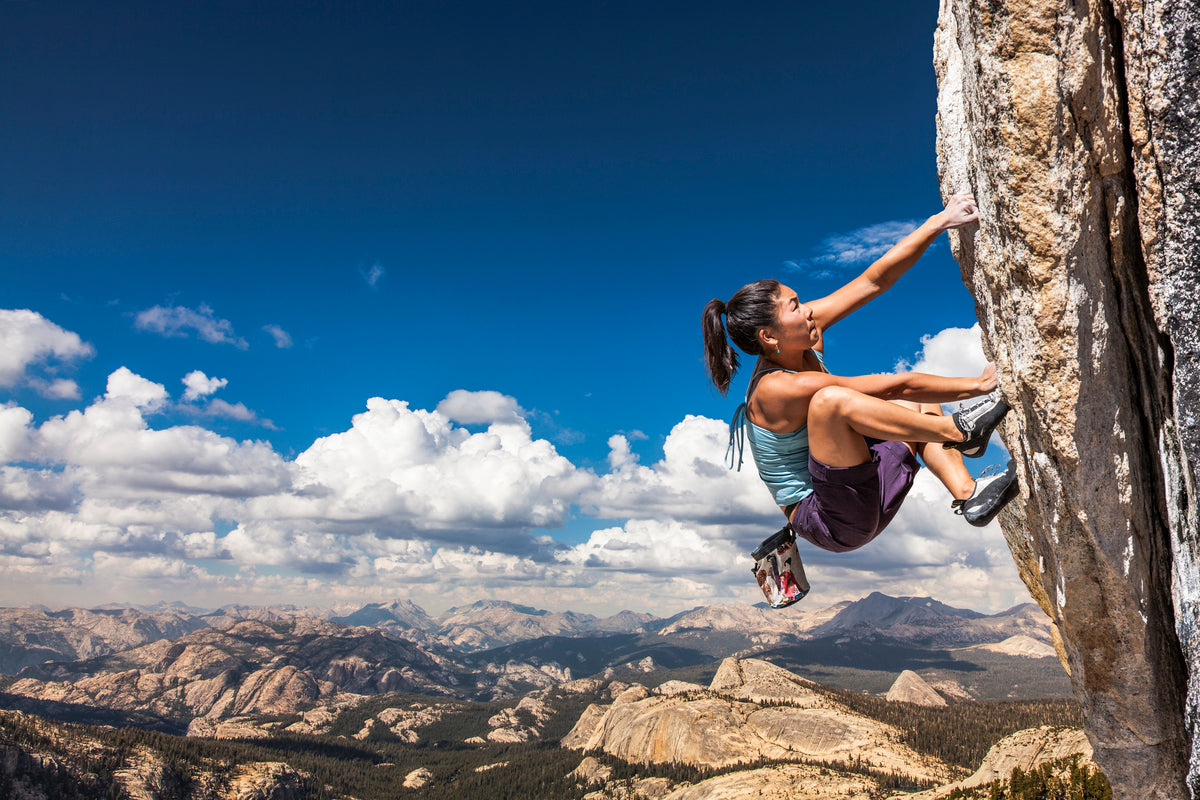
pixel 91 715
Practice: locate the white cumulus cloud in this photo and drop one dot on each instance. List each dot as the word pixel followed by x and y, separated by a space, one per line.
pixel 122 453
pixel 219 408
pixel 413 468
pixel 691 482
pixel 14 432
pixel 475 408
pixel 198 385
pixel 124 385
pixel 955 352
pixel 28 340
pixel 407 501
pixel 654 546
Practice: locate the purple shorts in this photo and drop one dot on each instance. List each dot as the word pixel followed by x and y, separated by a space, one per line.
pixel 849 506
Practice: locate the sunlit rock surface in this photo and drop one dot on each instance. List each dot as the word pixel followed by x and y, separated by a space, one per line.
pixel 1077 126
pixel 1027 750
pixel 912 688
pixel 751 710
pixel 789 782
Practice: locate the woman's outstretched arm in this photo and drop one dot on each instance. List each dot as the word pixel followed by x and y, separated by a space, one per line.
pixel 781 400
pixel 921 387
pixel 880 276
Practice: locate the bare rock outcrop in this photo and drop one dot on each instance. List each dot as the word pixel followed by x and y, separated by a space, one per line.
pixel 758 681
pixel 418 779
pixel 252 667
pixel 672 688
pixel 266 780
pixel 1077 127
pixel 591 771
pixel 912 688
pixel 585 728
pixel 233 728
pixel 1027 749
pixel 1020 645
pixel 514 678
pixel 40 756
pixel 522 723
pixel 406 723
pixel 952 690
pixel 785 720
pixel 788 782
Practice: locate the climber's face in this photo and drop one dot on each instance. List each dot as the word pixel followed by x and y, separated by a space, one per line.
pixel 795 328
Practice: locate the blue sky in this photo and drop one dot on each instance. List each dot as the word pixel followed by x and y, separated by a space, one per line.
pixel 511 213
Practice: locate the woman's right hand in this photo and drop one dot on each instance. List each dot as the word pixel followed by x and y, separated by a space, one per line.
pixel 988 380
pixel 961 210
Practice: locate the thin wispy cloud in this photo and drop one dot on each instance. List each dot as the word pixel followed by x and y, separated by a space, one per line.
pixel 283 339
pixel 553 429
pixel 373 274
pixel 183 322
pixel 236 411
pixel 842 252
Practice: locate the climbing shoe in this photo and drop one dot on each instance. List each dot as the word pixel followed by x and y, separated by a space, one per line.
pixel 977 423
pixel 993 489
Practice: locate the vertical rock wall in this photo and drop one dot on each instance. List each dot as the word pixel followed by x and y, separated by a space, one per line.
pixel 1077 125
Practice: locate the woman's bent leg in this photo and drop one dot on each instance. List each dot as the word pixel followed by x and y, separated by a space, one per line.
pixel 839 418
pixel 947 465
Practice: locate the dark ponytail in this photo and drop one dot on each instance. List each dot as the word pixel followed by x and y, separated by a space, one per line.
pixel 721 359
pixel 750 309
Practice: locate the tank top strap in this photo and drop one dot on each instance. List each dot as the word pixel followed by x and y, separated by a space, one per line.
pixel 735 451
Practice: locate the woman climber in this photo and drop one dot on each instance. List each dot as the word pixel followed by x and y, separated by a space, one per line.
pixel 838 452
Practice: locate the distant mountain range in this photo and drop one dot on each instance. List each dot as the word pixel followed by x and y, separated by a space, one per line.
pixel 180 669
pixel 31 636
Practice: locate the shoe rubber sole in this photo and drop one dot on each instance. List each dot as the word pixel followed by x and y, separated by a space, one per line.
pixel 978 429
pixel 994 495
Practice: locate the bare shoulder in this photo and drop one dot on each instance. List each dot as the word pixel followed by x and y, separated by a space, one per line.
pixel 780 402
pixel 793 385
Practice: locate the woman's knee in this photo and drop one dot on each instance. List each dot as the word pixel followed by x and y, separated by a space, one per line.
pixel 832 401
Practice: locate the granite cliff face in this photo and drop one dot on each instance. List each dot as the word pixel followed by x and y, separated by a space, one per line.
pixel 1077 126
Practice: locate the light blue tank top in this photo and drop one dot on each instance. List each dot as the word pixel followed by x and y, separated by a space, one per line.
pixel 782 458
